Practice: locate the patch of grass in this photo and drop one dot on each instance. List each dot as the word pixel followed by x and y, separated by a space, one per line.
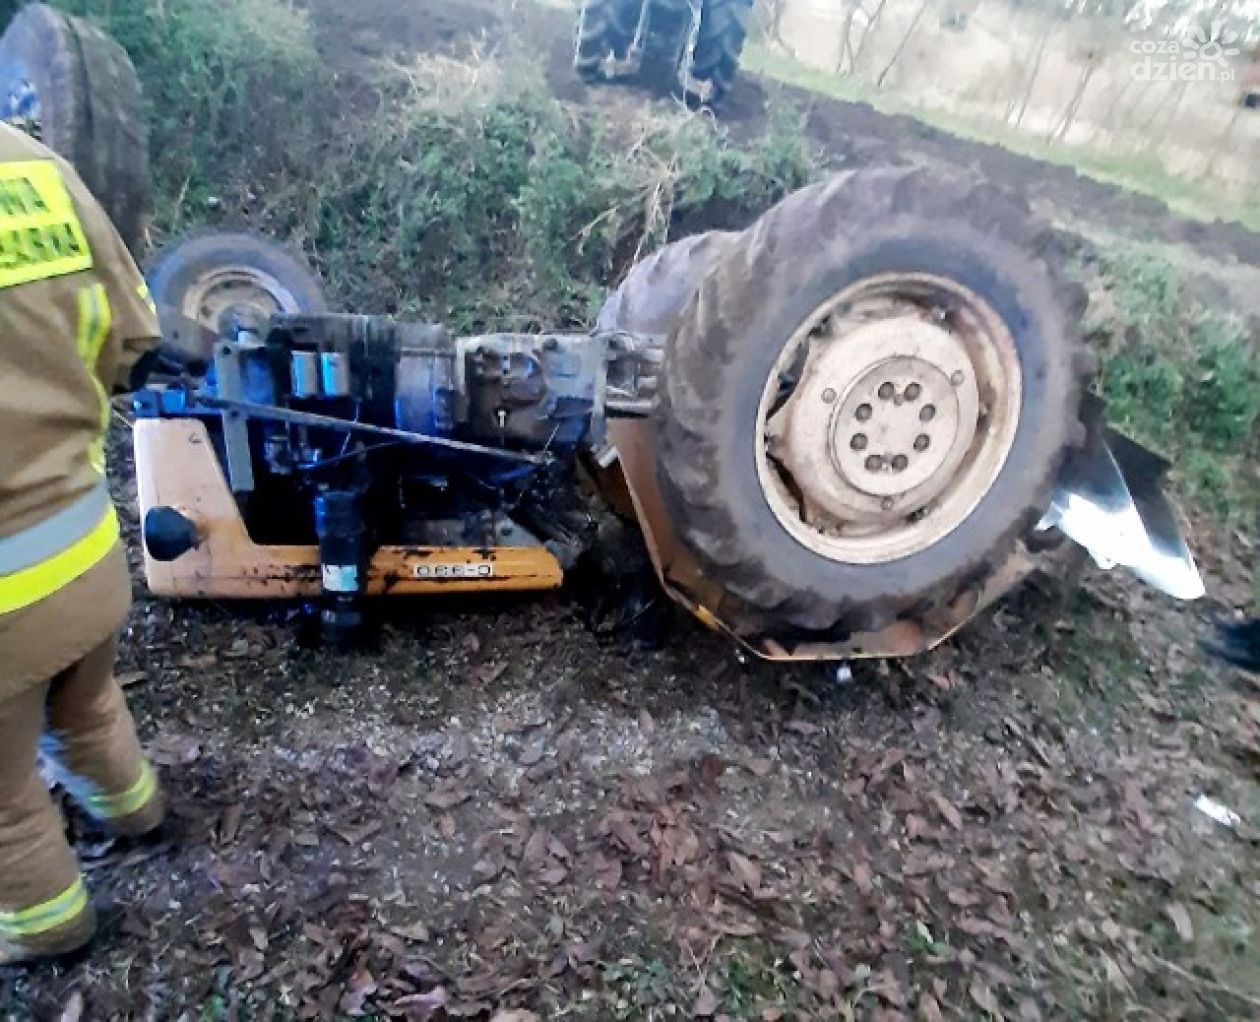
pixel 1137 172
pixel 754 977
pixel 1180 377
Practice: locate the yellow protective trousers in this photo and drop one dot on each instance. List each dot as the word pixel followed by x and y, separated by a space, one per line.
pixel 79 722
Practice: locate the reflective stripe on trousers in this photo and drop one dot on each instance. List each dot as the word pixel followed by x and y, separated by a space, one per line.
pixel 30 922
pixel 38 561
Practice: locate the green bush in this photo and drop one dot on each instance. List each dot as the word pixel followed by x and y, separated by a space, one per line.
pixel 1179 376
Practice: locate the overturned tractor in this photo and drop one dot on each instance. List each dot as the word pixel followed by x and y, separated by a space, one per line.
pixel 841 432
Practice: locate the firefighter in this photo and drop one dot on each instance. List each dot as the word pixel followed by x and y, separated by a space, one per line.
pixel 76 324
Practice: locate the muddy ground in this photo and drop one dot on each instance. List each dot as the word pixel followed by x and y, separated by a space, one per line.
pixel 498 812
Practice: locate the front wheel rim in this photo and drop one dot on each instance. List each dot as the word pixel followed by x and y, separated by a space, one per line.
pixel 215 294
pixel 887 417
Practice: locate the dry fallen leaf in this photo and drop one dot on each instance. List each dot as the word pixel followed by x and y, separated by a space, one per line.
pixel 447 798
pixel 706 1005
pixel 514 1015
pixel 1028 1010
pixel 72 1011
pixel 948 810
pixel 746 872
pixel 760 766
pixel 173 749
pixel 415 932
pixel 862 877
pixel 985 1000
pixel 422 1007
pixel 128 678
pixel 963 899
pixel 1181 920
pixel 929 1009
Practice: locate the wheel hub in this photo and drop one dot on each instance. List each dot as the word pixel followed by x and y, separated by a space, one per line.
pixel 880 420
pixel 897 427
pixel 903 403
pixel 225 291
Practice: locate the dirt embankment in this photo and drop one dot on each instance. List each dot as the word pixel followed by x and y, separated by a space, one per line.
pixel 850 134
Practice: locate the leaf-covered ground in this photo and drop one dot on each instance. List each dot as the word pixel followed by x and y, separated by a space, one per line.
pixel 496 813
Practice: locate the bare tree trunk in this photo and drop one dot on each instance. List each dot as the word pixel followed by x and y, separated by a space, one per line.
pixel 846 37
pixel 1222 142
pixel 1168 115
pixel 1107 121
pixel 1032 78
pixel 1074 106
pixel 914 23
pixel 866 35
pixel 777 8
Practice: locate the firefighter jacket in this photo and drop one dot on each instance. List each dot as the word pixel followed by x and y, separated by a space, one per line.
pixel 75 321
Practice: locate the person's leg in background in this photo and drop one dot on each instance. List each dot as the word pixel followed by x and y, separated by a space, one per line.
pixel 91 746
pixel 44 906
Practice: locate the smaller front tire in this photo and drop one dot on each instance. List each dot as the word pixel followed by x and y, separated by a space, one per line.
pixel 200 279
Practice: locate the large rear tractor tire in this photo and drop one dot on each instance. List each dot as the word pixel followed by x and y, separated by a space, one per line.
pixel 198 280
pixel 868 401
pixel 75 89
pixel 708 68
pixel 606 28
pixel 653 296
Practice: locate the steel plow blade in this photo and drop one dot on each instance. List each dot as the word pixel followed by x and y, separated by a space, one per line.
pixel 1109 499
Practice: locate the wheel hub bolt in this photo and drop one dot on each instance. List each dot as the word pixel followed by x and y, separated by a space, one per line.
pixel 922 442
pixel 858 443
pixel 927 413
pixel 900 463
pixel 863 412
pixel 886 391
pixel 874 463
pixel 829 395
pixel 887 503
pixel 913 391
pixel 957 378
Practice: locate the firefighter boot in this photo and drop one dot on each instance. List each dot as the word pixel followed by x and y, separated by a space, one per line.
pixel 90 746
pixel 44 908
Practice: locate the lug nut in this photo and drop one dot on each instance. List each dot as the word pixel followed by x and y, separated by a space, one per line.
pixel 922 442
pixel 913 391
pixel 863 412
pixel 886 391
pixel 927 413
pixel 958 378
pixel 858 443
pixel 900 463
pixel 829 395
pixel 887 503
pixel 874 463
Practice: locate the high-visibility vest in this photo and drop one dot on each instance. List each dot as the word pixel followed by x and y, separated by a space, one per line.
pixel 49 555
pixel 38 561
